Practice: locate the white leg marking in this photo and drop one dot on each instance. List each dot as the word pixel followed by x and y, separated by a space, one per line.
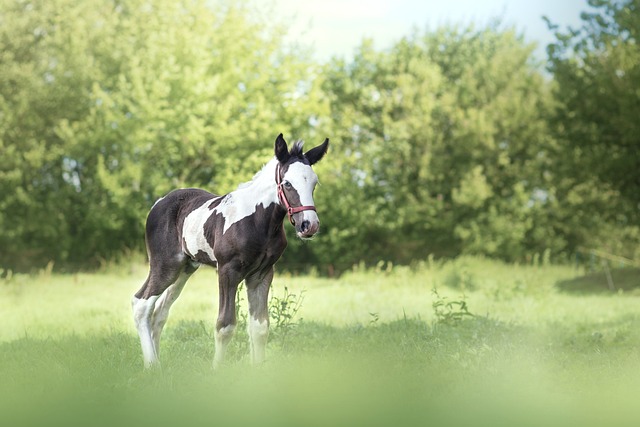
pixel 142 313
pixel 223 337
pixel 258 334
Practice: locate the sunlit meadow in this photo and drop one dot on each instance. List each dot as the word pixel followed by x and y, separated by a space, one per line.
pixel 467 342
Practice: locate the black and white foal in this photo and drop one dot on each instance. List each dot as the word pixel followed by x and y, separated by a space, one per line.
pixel 241 233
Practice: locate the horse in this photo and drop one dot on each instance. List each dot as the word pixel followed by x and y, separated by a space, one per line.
pixel 240 233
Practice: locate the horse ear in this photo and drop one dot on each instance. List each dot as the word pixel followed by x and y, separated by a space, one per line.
pixel 316 154
pixel 282 152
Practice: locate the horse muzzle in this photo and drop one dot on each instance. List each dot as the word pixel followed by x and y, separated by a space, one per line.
pixel 306 229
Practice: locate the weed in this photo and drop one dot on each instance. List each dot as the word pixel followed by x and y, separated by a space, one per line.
pixel 374 318
pixel 282 319
pixel 282 313
pixel 450 312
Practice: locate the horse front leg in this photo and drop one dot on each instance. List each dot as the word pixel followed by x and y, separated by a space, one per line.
pixel 228 281
pixel 258 295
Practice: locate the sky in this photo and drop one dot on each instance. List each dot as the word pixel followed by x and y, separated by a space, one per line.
pixel 336 27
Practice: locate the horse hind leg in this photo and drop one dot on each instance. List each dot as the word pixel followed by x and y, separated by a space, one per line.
pixel 165 301
pixel 142 315
pixel 151 306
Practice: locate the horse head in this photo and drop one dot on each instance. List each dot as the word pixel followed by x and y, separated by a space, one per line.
pixel 296 182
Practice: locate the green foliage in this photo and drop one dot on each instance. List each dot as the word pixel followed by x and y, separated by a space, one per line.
pixel 596 68
pixel 282 314
pixel 107 106
pixel 450 142
pixel 440 140
pixel 448 311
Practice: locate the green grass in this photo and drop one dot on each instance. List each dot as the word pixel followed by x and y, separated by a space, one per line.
pixel 545 346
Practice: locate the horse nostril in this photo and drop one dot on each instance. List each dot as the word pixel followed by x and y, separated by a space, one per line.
pixel 304 226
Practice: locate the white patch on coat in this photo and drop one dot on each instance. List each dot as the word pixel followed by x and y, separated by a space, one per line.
pixel 244 201
pixel 193 236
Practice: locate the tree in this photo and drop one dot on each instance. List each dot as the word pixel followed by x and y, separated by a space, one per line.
pixel 443 138
pixel 105 106
pixel 596 69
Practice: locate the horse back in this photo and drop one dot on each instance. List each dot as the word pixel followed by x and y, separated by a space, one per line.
pixel 166 217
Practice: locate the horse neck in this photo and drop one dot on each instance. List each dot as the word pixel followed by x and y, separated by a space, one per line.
pixel 261 189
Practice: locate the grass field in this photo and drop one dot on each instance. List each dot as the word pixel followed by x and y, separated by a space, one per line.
pixel 495 344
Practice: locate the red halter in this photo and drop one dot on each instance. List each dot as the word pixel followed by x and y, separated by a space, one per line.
pixel 283 199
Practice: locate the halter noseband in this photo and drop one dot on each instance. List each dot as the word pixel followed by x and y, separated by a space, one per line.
pixel 283 199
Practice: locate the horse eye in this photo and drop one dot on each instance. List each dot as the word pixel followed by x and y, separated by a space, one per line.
pixel 287 184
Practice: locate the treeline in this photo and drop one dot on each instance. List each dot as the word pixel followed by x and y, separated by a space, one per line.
pixel 453 141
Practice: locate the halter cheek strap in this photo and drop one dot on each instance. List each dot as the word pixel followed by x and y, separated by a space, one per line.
pixel 283 199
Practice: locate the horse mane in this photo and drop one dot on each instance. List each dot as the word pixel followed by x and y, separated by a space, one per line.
pixel 296 150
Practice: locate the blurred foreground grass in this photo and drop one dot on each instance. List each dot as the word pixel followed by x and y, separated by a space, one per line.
pixel 368 349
